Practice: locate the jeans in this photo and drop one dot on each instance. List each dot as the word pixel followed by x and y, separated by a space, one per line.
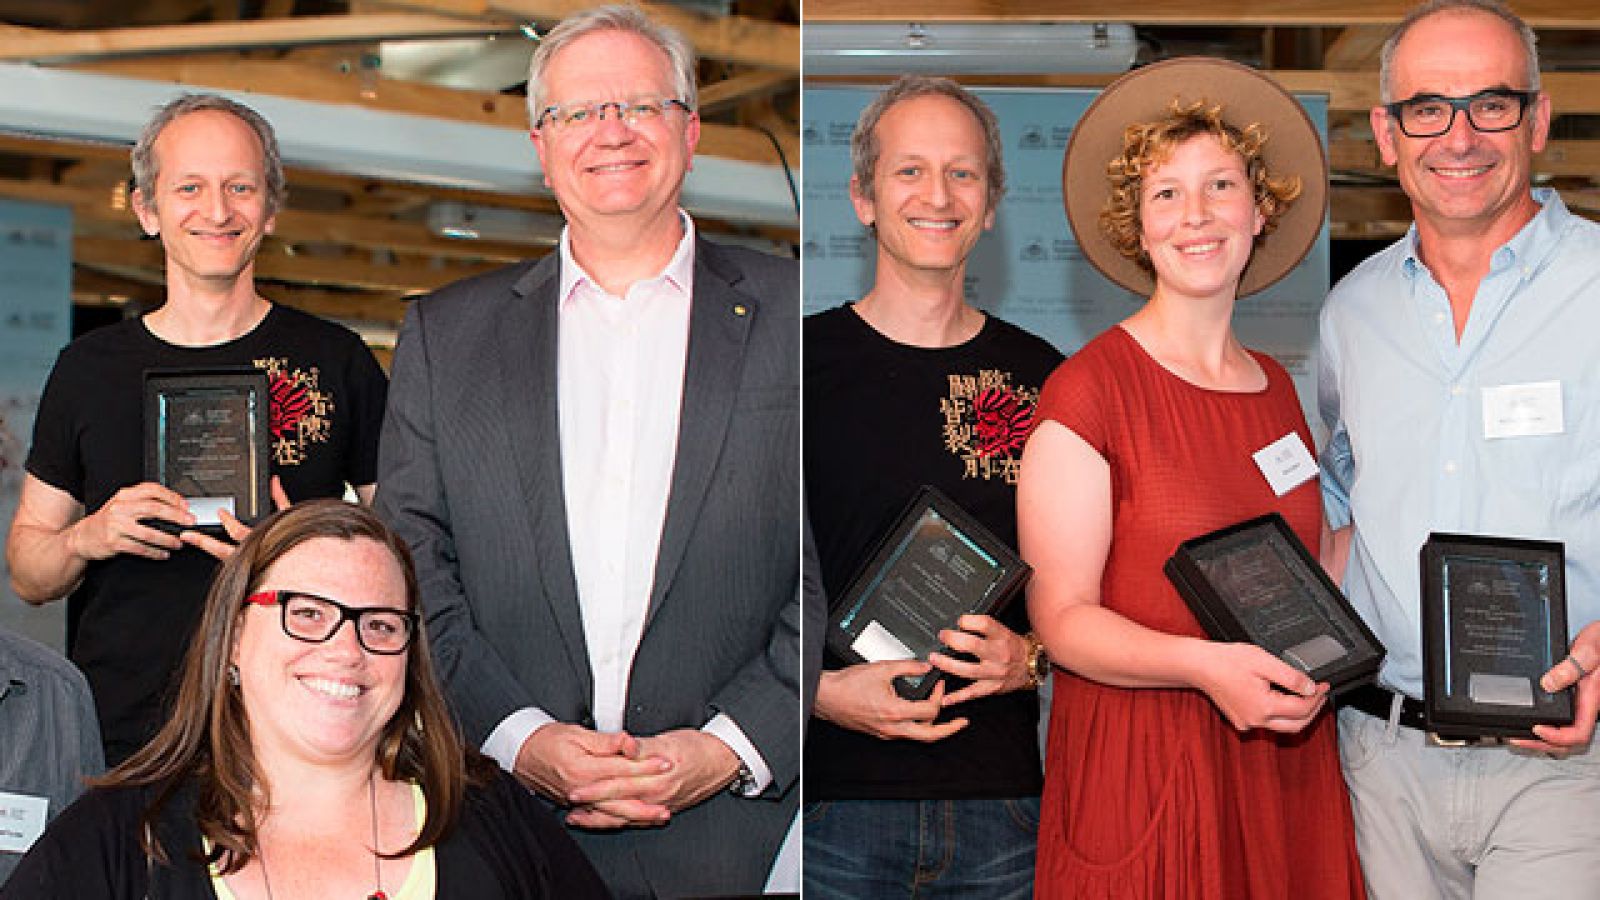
pixel 857 849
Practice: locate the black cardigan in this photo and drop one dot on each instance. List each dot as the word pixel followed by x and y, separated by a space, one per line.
pixel 506 845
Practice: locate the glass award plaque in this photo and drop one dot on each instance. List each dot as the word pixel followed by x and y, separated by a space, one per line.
pixel 1255 582
pixel 206 437
pixel 1494 620
pixel 935 565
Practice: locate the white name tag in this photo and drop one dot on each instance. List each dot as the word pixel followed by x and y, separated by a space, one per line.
pixel 1522 410
pixel 876 644
pixel 22 818
pixel 1286 463
pixel 206 510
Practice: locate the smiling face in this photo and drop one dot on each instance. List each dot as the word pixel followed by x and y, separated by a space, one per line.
pixel 1199 219
pixel 328 701
pixel 209 202
pixel 608 171
pixel 1464 181
pixel 929 199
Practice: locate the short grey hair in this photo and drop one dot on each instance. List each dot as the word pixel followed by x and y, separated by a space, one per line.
pixel 619 17
pixel 147 166
pixel 865 148
pixel 1530 41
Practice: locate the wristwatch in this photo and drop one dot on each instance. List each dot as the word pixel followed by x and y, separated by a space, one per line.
pixel 1038 661
pixel 743 783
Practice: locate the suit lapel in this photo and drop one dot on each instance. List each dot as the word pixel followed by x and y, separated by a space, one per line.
pixel 529 352
pixel 719 330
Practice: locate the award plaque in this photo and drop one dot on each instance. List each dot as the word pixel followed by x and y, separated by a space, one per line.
pixel 935 565
pixel 206 437
pixel 1494 619
pixel 1254 582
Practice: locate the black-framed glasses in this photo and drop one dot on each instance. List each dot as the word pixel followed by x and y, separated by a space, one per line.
pixel 1430 115
pixel 583 113
pixel 314 619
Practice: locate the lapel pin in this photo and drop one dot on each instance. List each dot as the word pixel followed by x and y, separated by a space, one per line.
pixel 738 309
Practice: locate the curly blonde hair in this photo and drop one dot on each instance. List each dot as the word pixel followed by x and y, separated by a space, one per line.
pixel 1146 145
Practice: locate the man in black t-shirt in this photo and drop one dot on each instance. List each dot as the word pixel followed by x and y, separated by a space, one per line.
pixel 208 181
pixel 911 386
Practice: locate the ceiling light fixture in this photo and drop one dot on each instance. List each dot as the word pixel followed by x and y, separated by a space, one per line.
pixel 894 48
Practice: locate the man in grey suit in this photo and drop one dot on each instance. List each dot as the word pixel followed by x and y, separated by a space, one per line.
pixel 594 458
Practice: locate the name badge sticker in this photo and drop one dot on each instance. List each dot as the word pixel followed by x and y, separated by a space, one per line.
pixel 22 818
pixel 1522 410
pixel 1286 463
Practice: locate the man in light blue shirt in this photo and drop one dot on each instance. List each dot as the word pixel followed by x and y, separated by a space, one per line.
pixel 1494 293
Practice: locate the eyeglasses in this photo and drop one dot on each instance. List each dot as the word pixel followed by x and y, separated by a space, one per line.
pixel 583 113
pixel 1430 115
pixel 313 619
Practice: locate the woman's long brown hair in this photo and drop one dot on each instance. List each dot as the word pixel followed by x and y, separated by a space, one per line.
pixel 207 739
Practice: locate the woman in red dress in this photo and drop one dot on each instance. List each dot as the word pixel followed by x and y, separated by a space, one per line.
pixel 1178 767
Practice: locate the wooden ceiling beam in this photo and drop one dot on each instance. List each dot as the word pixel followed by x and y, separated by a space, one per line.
pixel 307 82
pixel 754 42
pixel 1570 92
pixel 1357 47
pixel 90 283
pixel 751 85
pixel 1560 159
pixel 150 12
pixel 304 81
pixel 298 226
pixel 99 206
pixel 62 46
pixel 92 286
pixel 347 305
pixel 1348 204
pixel 1385 212
pixel 403 277
pixel 355 187
pixel 1556 14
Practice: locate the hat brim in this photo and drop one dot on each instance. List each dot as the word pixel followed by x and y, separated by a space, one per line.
pixel 1247 98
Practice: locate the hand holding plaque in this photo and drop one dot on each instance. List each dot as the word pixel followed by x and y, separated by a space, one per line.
pixel 1494 619
pixel 935 565
pixel 206 437
pixel 1255 582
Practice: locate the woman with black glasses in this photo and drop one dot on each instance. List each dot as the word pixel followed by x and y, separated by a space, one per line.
pixel 305 759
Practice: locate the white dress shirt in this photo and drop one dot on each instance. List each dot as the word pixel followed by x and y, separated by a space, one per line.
pixel 619 390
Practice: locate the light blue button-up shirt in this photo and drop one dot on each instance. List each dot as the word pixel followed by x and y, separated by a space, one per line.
pixel 1404 406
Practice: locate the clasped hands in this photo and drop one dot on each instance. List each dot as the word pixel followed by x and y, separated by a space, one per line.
pixel 613 780
pixel 862 697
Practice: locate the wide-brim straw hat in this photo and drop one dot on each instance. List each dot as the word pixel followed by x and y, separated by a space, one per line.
pixel 1247 98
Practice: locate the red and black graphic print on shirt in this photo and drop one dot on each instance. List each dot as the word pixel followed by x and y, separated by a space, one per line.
pixel 302 412
pixel 987 419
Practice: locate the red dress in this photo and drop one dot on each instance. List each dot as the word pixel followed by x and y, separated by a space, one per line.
pixel 1150 792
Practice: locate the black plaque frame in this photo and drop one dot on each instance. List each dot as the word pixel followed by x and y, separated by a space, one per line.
pixel 1449 713
pixel 1221 617
pixel 930 518
pixel 164 389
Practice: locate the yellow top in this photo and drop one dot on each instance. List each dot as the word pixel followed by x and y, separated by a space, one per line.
pixel 422 880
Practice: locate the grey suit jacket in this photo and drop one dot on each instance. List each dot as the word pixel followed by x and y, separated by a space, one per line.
pixel 470 474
